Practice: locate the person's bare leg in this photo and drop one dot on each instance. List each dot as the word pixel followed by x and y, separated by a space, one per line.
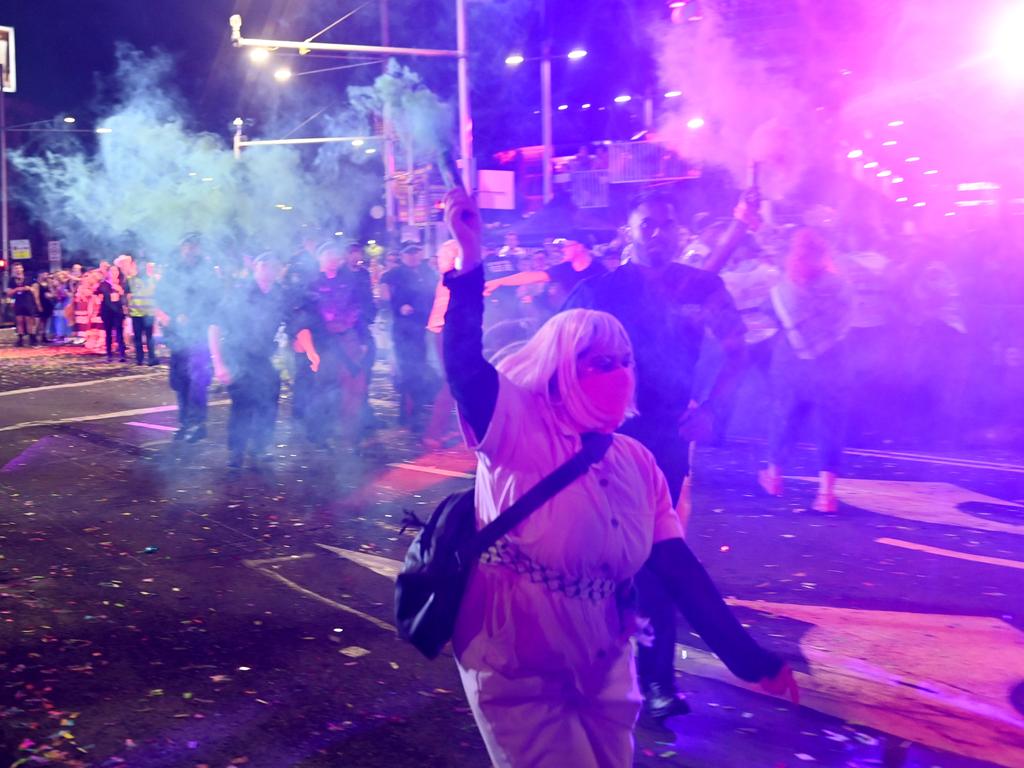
pixel 826 500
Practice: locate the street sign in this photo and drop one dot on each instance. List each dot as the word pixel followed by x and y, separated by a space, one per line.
pixel 10 82
pixel 21 250
pixel 56 258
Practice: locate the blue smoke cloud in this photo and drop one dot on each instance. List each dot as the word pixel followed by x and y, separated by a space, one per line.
pixel 150 179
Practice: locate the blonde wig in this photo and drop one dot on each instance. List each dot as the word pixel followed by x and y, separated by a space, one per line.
pixel 546 364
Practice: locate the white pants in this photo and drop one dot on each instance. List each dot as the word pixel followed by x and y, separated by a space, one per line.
pixel 542 722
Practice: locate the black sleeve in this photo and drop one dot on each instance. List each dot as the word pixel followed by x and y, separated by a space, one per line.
pixel 367 306
pixel 473 380
pixel 700 603
pixel 582 296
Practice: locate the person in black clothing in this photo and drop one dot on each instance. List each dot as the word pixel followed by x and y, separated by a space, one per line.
pixel 409 288
pixel 45 291
pixel 186 295
pixel 551 683
pixel 503 304
pixel 331 333
pixel 666 307
pixel 26 304
pixel 242 345
pixel 301 273
pixel 578 265
pixel 355 261
pixel 112 289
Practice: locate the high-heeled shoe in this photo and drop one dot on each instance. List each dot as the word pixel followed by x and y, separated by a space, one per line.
pixel 825 502
pixel 770 480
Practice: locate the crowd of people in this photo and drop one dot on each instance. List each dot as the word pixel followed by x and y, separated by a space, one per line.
pixel 652 336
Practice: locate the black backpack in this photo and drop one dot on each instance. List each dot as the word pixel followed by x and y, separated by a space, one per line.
pixel 428 591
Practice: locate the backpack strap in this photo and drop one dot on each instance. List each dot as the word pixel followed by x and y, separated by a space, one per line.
pixel 595 445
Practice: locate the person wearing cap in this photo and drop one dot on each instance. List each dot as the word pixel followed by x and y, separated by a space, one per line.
pixel 329 331
pixel 243 339
pixel 409 289
pixel 362 284
pixel 185 298
pixel 577 265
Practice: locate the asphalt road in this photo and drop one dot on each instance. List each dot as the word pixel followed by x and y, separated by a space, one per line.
pixel 154 612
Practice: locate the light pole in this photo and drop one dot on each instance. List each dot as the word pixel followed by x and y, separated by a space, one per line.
pixel 461 55
pixel 3 181
pixel 546 112
pixel 546 128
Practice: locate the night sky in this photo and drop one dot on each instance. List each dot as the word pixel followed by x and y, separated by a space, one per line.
pixel 66 57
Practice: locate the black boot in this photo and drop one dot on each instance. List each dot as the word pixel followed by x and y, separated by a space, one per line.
pixel 662 702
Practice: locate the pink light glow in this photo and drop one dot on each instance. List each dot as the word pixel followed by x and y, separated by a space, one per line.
pixel 895 123
pixel 1006 47
pixel 931 172
pixel 889 143
pixel 913 159
pixel 883 174
pixel 901 199
pixel 920 204
pixel 853 154
pixel 695 123
pixel 872 164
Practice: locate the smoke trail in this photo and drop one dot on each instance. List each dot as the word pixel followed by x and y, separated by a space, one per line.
pixel 151 179
pixel 420 119
pixel 751 113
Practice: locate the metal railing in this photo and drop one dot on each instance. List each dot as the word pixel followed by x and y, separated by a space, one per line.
pixel 589 189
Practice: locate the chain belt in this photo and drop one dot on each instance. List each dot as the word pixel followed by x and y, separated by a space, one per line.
pixel 583 587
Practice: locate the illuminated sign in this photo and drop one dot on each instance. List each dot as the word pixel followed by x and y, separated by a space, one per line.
pixel 10 81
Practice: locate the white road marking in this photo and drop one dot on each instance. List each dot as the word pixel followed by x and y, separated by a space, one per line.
pixel 326 600
pixel 282 559
pixel 922 458
pixel 147 425
pixel 922 502
pixel 382 566
pixel 942 460
pixel 951 553
pixel 74 384
pixel 99 416
pixel 431 470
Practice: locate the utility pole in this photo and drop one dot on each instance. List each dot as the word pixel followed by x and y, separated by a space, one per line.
pixel 388 131
pixel 461 54
pixel 4 216
pixel 547 134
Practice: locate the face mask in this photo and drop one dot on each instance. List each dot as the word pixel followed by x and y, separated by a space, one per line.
pixel 609 394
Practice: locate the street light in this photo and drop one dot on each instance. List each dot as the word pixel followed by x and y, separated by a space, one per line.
pixel 282 75
pixel 259 55
pixel 547 140
pixel 624 99
pixel 69 120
